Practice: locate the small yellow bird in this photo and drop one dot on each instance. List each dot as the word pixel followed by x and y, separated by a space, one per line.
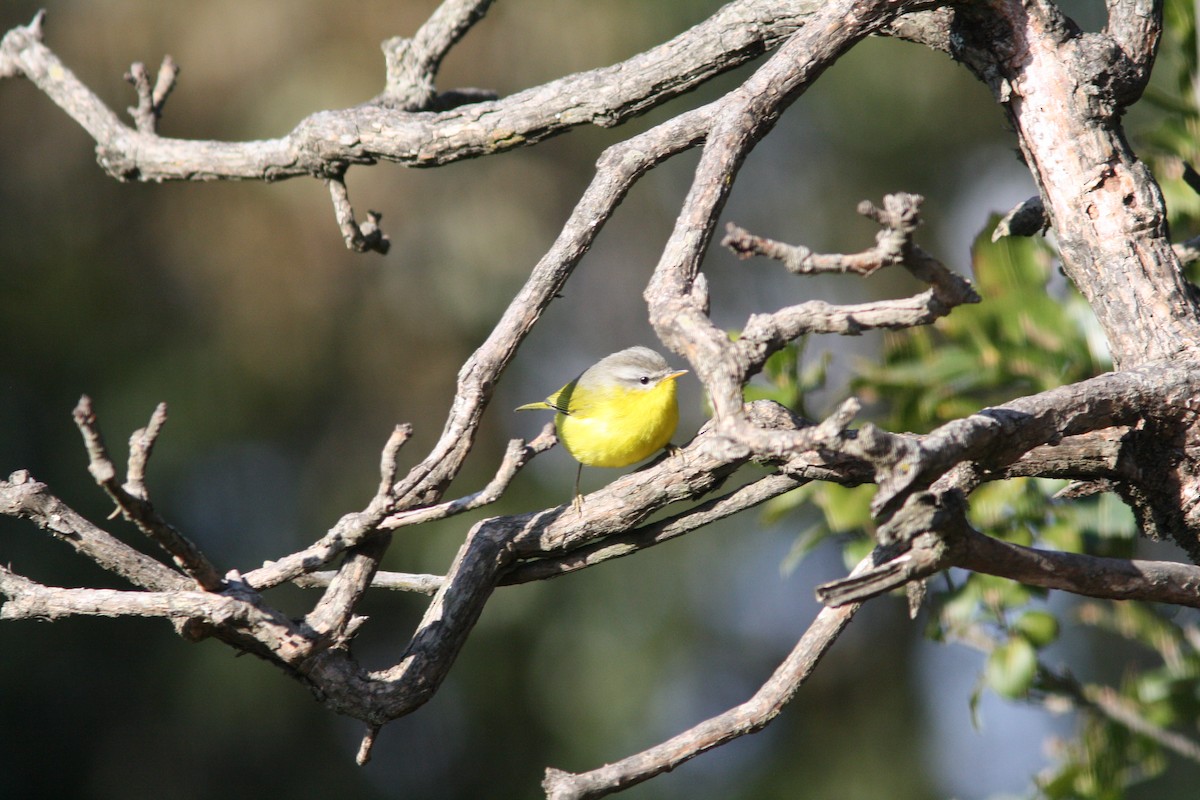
pixel 619 411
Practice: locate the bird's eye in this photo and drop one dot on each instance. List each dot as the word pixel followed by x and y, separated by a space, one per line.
pixel 645 379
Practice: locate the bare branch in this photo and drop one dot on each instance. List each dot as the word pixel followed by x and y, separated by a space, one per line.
pixel 350 530
pixel 1093 576
pixel 394 581
pixel 1105 702
pixel 135 508
pixel 655 533
pixel 765 334
pixel 1188 252
pixel 516 456
pixel 798 259
pixel 367 745
pixel 737 33
pixel 749 717
pixel 360 239
pixel 150 101
pixel 617 169
pixel 141 445
pixel 931 533
pixel 1027 218
pixel 335 610
pixel 1135 28
pixel 915 543
pixel 678 313
pixel 998 436
pixel 412 64
pixel 1115 248
pixel 237 618
pixel 21 496
pixel 387 461
pixel 30 600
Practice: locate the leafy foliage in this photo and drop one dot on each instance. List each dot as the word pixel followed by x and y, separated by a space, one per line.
pixel 1031 333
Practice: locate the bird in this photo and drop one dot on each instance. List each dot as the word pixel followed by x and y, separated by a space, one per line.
pixel 617 412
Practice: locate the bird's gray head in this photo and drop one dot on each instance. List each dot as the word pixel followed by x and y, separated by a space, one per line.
pixel 635 368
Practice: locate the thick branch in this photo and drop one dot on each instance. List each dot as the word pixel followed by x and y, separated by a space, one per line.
pixel 23 497
pixel 995 437
pixel 1064 91
pixel 655 533
pixel 326 142
pixel 931 533
pixel 1093 576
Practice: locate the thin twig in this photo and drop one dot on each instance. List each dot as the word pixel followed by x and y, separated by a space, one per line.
pixel 151 100
pixel 517 455
pixel 366 746
pixel 1106 700
pixel 749 717
pixel 387 460
pixel 361 239
pixel 764 334
pixel 393 581
pixel 139 511
pixel 141 445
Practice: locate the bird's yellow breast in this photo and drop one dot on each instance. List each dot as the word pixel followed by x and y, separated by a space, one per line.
pixel 618 426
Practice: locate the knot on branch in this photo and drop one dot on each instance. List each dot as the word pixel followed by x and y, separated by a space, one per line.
pixel 901 214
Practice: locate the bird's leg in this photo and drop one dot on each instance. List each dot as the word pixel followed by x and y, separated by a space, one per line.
pixel 577 498
pixel 675 450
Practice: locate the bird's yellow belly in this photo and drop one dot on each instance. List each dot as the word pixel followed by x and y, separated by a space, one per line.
pixel 635 428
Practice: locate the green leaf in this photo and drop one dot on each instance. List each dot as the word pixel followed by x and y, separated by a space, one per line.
pixel 805 543
pixel 1039 627
pixel 1011 668
pixel 846 509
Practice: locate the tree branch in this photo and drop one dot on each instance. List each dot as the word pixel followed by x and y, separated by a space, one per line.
pixel 326 142
pixel 516 456
pixel 749 717
pixel 362 238
pixel 151 100
pixel 931 533
pixel 1093 576
pixel 412 64
pixel 23 497
pixel 136 507
pixel 1108 212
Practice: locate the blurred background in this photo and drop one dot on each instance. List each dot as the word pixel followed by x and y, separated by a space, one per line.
pixel 285 360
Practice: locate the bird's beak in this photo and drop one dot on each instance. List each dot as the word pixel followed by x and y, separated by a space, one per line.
pixel 675 374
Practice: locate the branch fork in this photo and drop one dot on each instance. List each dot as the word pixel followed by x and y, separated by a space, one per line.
pixel 148 111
